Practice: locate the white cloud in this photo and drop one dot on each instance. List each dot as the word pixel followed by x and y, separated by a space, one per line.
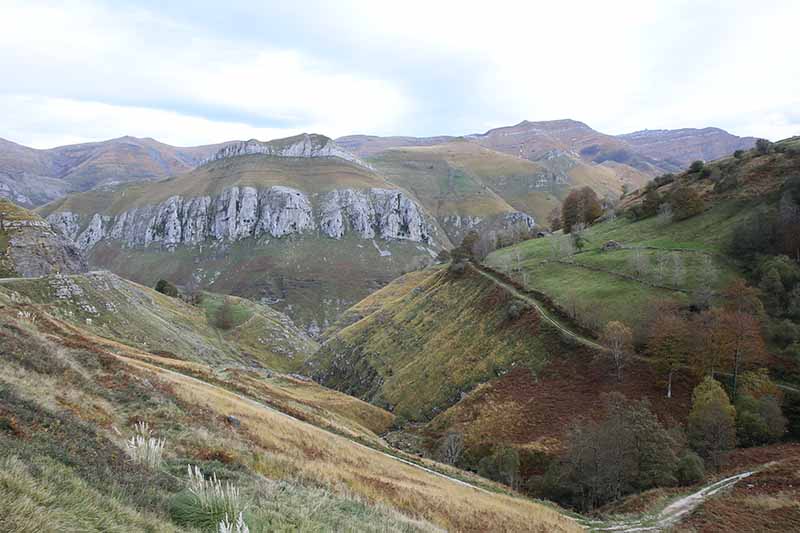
pixel 71 61
pixel 419 67
pixel 63 121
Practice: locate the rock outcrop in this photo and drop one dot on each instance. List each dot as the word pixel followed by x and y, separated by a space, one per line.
pixel 457 226
pixel 243 212
pixel 31 246
pixel 304 145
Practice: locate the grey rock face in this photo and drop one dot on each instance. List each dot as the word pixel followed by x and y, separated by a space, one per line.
pixel 35 249
pixel 240 213
pixel 458 226
pixel 301 146
pixel 66 223
pixel 387 213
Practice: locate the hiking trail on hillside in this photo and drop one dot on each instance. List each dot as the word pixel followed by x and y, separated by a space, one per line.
pixel 673 513
pixel 539 306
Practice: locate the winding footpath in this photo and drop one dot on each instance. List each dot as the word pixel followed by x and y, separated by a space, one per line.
pixel 541 309
pixel 673 513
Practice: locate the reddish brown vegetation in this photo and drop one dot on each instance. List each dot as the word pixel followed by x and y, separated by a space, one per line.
pixel 519 408
pixel 768 500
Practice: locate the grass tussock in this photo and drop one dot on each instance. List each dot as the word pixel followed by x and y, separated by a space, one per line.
pixel 144 448
pixel 206 502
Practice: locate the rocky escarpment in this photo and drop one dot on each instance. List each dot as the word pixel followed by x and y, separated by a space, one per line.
pixel 29 247
pixel 243 212
pixel 304 145
pixel 458 226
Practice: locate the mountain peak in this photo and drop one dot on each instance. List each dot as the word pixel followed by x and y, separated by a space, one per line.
pixel 304 145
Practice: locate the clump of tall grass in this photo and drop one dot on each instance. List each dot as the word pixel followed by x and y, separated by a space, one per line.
pixel 144 448
pixel 207 502
pixel 233 527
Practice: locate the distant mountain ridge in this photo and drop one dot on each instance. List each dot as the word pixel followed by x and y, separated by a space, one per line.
pixel 683 146
pixel 31 177
pixel 649 151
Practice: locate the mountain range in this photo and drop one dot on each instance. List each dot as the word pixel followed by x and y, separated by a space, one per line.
pixel 313 225
pixel 32 177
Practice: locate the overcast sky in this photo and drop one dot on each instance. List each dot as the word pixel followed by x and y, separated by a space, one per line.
pixel 202 72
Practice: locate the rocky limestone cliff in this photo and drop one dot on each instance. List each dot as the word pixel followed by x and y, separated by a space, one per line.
pixel 458 226
pixel 304 145
pixel 29 247
pixel 242 212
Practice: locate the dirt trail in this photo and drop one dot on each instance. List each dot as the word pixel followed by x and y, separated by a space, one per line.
pixel 672 513
pixel 541 309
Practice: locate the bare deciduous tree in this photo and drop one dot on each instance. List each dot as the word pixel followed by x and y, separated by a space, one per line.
pixel 678 270
pixel 618 337
pixel 452 447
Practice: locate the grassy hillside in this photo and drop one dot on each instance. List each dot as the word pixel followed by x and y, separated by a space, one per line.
pixel 464 178
pixel 69 399
pixel 659 258
pixel 426 339
pixel 310 279
pixel 115 308
pixel 617 277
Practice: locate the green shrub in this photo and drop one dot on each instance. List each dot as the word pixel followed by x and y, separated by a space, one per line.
pixel 165 287
pixel 690 469
pixel 457 267
pixel 696 166
pixel 224 317
pixel 763 146
pixel 502 466
pixel 759 421
pixel 516 309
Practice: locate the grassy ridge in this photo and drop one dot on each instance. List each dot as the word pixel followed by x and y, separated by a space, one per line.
pixel 117 309
pixel 427 338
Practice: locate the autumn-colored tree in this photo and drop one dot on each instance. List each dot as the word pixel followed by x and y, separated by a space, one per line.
pixel 739 297
pixel 741 328
pixel 706 358
pixel 670 343
pixel 757 383
pixel 618 338
pixel 554 219
pixel 732 341
pixel 686 203
pixel 712 421
pixel 652 201
pixel 732 338
pixel 580 206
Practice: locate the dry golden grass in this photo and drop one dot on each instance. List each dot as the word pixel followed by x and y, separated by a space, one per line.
pixel 336 461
